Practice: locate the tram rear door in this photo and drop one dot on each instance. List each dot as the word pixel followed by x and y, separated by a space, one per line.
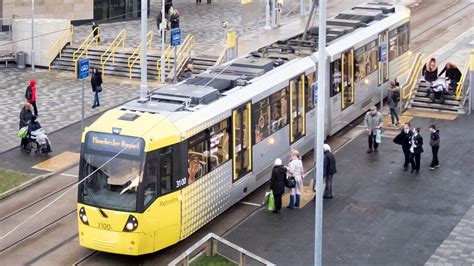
pixel 347 97
pixel 241 139
pixel 297 108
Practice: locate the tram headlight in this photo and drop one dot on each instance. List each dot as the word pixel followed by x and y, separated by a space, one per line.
pixel 83 216
pixel 131 225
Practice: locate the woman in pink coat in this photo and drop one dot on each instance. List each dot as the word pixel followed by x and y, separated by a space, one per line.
pixel 295 169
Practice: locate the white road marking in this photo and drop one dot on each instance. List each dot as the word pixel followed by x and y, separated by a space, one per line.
pixel 250 203
pixel 64 174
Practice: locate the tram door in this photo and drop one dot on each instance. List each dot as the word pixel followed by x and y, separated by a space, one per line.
pixel 241 137
pixel 383 67
pixel 297 108
pixel 347 97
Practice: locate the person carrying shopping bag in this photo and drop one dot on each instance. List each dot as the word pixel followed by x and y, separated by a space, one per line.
pixel 277 183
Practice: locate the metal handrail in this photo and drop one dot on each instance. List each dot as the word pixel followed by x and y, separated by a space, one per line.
pixel 137 53
pixel 221 57
pixel 110 52
pixel 58 45
pixel 459 87
pixel 210 238
pixel 184 52
pixel 84 48
pixel 167 56
pixel 410 84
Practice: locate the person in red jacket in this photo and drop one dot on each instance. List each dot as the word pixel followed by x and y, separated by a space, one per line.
pixel 32 95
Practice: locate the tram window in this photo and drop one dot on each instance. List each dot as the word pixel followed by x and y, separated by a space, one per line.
pixel 399 39
pixel 261 116
pixel 150 177
pixel 219 143
pixel 279 109
pixel 165 171
pixel 198 148
pixel 366 60
pixel 309 91
pixel 336 77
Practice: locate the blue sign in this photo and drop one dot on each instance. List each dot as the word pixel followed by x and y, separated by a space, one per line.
pixel 383 52
pixel 83 68
pixel 175 37
pixel 315 93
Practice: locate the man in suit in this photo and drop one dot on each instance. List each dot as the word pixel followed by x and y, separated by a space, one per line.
pixel 416 148
pixel 406 135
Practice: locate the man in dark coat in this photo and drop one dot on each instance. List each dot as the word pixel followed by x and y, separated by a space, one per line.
pixel 277 183
pixel 95 31
pixel 25 117
pixel 416 148
pixel 329 170
pixel 405 139
pixel 96 84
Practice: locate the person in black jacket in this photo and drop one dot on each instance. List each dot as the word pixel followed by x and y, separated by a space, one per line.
pixel 329 170
pixel 405 137
pixel 434 143
pixel 95 31
pixel 277 183
pixel 25 117
pixel 430 73
pixel 174 19
pixel 96 84
pixel 416 148
pixel 453 73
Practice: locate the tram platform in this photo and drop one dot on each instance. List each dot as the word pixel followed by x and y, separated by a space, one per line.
pixel 381 214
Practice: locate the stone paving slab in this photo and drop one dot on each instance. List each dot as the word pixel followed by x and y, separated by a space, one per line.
pixel 458 247
pixel 58 100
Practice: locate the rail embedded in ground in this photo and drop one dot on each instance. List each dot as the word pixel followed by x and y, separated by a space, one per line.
pixel 207 246
pixel 407 89
pixel 110 52
pixel 84 48
pixel 58 45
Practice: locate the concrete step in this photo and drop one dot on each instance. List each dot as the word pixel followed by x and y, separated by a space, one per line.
pixel 435 106
pixel 419 108
pixel 428 100
pixel 425 94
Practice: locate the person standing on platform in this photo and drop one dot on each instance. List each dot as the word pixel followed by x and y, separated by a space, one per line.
pixel 174 19
pixel 30 95
pixel 373 122
pixel 295 169
pixel 416 149
pixel 95 31
pixel 96 84
pixel 404 139
pixel 329 170
pixel 434 143
pixel 198 2
pixel 168 6
pixel 277 183
pixel 393 99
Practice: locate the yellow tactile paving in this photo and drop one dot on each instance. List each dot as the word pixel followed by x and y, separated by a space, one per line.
pixel 435 115
pixel 59 162
pixel 403 119
pixel 307 196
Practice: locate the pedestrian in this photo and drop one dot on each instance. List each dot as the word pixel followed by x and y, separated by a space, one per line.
pixel 434 143
pixel 168 6
pixel 393 99
pixel 404 139
pixel 295 169
pixel 416 149
pixel 25 117
pixel 96 84
pixel 453 73
pixel 277 183
pixel 198 2
pixel 373 122
pixel 430 73
pixel 329 170
pixel 174 19
pixel 30 95
pixel 188 71
pixel 95 31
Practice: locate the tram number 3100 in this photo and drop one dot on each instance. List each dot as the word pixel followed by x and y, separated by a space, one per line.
pixel 180 182
pixel 105 226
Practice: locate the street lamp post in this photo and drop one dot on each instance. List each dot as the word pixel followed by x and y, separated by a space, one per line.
pixel 319 141
pixel 162 57
pixel 144 58
pixel 267 15
pixel 32 35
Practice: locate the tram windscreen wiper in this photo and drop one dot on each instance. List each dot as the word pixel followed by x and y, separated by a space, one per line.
pixel 95 202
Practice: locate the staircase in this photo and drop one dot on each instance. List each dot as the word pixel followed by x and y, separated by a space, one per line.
pixel 202 63
pixel 422 101
pixel 119 68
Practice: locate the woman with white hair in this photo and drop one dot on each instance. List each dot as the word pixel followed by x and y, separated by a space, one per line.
pixel 329 170
pixel 277 183
pixel 295 169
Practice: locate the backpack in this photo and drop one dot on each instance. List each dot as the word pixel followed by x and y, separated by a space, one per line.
pixel 396 96
pixel 28 93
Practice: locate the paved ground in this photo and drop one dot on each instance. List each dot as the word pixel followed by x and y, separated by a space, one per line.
pixel 380 214
pixel 458 248
pixel 58 100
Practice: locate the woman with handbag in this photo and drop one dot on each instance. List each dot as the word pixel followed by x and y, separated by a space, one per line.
pixel 295 169
pixel 96 83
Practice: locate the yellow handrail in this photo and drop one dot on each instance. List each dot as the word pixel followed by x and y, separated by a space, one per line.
pixel 182 54
pixel 221 57
pixel 84 48
pixel 461 80
pixel 137 53
pixel 167 57
pixel 412 81
pixel 110 52
pixel 58 45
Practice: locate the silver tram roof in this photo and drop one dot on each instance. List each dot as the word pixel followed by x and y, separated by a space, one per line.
pixel 178 100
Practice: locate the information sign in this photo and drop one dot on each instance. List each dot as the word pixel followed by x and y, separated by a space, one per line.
pixel 175 37
pixel 383 52
pixel 83 68
pixel 315 93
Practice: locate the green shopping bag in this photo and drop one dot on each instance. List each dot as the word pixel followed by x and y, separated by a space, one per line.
pixel 22 132
pixel 271 202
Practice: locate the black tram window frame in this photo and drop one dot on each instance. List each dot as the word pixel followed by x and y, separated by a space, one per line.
pixel 309 88
pixel 332 90
pixel 235 175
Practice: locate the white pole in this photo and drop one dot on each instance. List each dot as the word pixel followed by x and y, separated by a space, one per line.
pixel 144 57
pixel 32 35
pixel 82 106
pixel 319 141
pixel 267 15
pixel 162 57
